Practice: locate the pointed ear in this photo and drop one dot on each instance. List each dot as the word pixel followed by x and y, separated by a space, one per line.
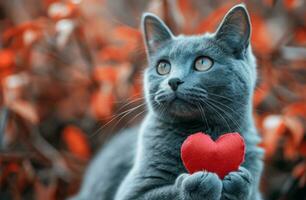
pixel 235 29
pixel 155 32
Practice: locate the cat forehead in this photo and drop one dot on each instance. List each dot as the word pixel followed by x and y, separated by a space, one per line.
pixel 188 45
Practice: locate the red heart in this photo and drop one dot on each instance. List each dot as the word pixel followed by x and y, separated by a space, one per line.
pixel 199 152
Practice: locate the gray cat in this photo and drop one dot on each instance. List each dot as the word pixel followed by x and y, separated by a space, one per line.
pixel 193 83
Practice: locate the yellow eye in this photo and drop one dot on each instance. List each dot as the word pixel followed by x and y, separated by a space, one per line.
pixel 163 68
pixel 203 64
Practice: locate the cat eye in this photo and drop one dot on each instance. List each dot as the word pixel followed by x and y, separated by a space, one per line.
pixel 203 64
pixel 163 67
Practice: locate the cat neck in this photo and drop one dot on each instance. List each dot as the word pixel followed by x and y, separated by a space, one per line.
pixel 161 140
pixel 214 126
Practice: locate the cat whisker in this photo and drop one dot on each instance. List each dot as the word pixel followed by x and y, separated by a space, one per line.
pixel 198 106
pixel 214 86
pixel 124 113
pixel 129 98
pixel 200 96
pixel 202 112
pixel 216 111
pixel 227 114
pixel 225 106
pixel 130 102
pixel 127 113
pixel 112 118
pixel 163 111
pixel 227 98
pixel 231 100
pixel 130 120
pixel 200 90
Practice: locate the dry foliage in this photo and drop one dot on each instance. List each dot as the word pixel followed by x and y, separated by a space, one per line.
pixel 70 71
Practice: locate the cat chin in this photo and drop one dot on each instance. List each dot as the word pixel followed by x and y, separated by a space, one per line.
pixel 185 115
pixel 180 106
pixel 180 109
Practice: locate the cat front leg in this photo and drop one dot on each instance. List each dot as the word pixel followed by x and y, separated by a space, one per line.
pixel 199 186
pixel 237 185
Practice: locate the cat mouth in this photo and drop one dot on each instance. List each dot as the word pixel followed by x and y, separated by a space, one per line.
pixel 181 107
pixel 179 100
pixel 176 105
pixel 170 99
pixel 174 99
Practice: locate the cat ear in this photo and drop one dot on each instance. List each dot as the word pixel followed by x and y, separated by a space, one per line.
pixel 235 29
pixel 155 32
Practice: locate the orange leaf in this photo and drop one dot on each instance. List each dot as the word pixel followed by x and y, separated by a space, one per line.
pixel 136 91
pixel 76 141
pixel 269 2
pixel 114 53
pixel 7 63
pixel 188 12
pixel 277 127
pixel 24 34
pixel 302 149
pixel 260 94
pixel 296 109
pixel 299 172
pixel 25 110
pixel 291 4
pixel 261 38
pixel 274 128
pixel 209 24
pixel 46 192
pixel 13 167
pixel 7 58
pixel 106 73
pixel 10 168
pixel 102 104
pixel 300 35
pixel 294 137
pixel 186 8
pixel 127 34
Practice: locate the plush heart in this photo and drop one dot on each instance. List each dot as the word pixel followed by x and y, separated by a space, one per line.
pixel 199 152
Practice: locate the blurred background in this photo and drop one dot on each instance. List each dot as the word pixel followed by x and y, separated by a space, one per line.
pixel 71 75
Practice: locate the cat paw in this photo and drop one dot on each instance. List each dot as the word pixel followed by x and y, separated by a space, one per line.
pixel 200 185
pixel 237 185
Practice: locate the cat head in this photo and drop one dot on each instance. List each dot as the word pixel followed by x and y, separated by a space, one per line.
pixel 192 76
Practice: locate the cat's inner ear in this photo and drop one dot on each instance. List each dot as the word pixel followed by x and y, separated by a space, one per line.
pixel 155 32
pixel 235 29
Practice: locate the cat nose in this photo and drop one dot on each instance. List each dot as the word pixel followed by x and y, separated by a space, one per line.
pixel 174 83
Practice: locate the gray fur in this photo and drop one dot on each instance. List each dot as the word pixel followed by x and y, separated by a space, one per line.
pixel 148 165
